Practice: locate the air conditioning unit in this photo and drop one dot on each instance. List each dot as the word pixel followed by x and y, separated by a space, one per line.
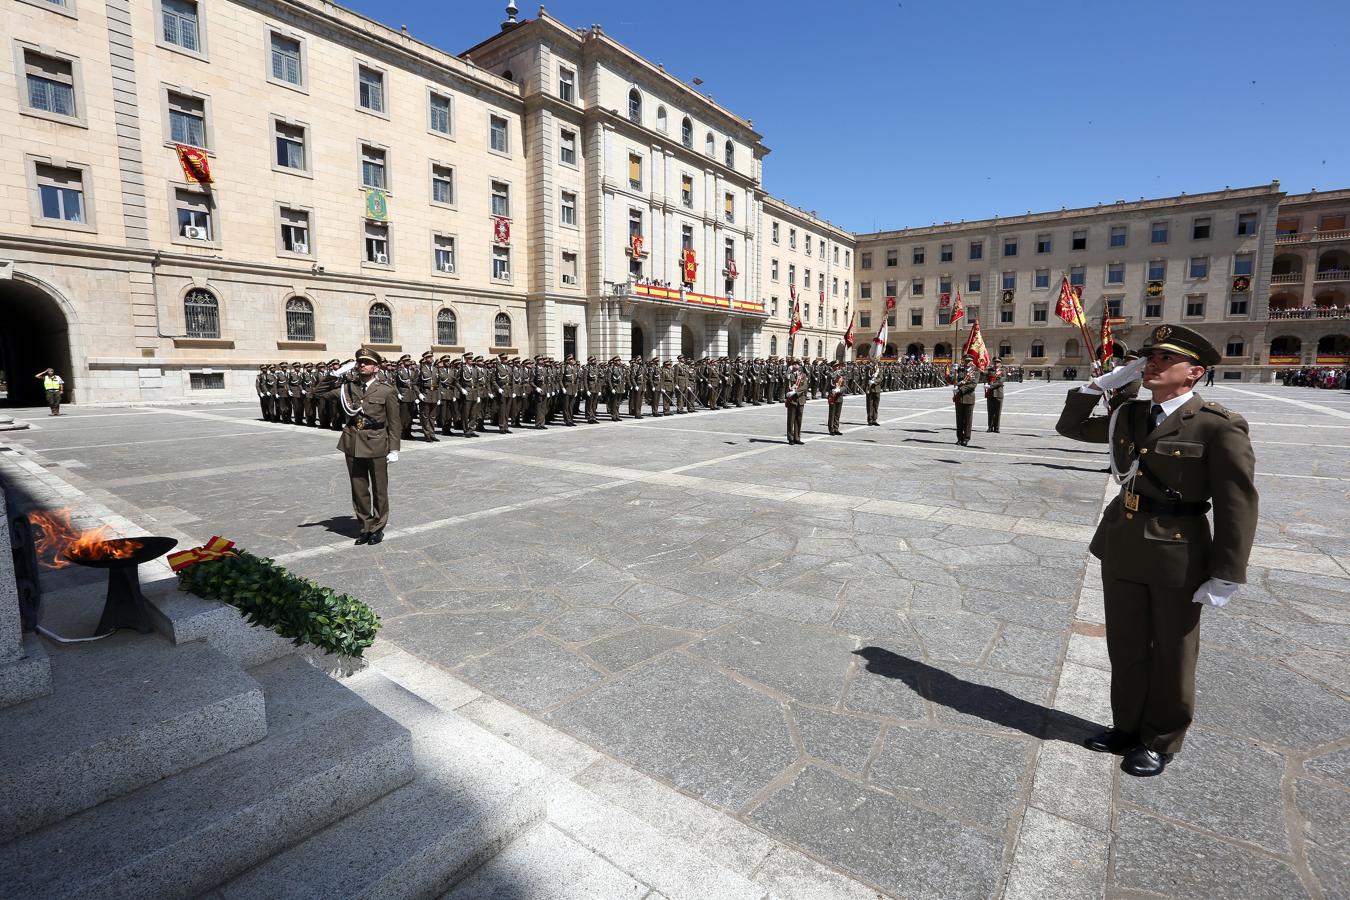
pixel 301 247
pixel 382 258
pixel 569 279
pixel 447 267
pixel 194 233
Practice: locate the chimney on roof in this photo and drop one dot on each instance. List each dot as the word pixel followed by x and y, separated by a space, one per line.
pixel 511 12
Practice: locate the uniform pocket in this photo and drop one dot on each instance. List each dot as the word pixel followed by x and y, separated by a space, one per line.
pixel 1180 449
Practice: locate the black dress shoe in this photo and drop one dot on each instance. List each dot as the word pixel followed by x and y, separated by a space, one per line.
pixel 363 539
pixel 376 537
pixel 1112 740
pixel 1142 762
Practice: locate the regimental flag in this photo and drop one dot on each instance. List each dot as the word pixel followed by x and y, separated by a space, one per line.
pixel 1069 308
pixel 945 300
pixel 958 309
pixel 796 324
pixel 196 169
pixel 1108 341
pixel 890 304
pixel 689 262
pixel 879 342
pixel 975 346
pixel 848 332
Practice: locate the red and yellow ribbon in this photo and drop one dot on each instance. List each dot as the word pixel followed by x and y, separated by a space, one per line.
pixel 216 548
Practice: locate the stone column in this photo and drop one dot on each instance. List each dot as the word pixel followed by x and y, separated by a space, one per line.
pixel 715 335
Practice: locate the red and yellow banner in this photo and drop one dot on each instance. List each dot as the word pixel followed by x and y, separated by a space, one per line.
pixel 1283 361
pixel 975 346
pixel 693 299
pixel 196 169
pixel 1069 308
pixel 216 548
pixel 689 263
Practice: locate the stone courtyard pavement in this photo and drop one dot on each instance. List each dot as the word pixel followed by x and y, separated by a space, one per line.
pixel 880 649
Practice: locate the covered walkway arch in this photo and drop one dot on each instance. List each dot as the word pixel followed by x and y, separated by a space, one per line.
pixel 35 333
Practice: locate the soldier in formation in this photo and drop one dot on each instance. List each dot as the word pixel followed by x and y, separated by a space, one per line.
pixel 964 377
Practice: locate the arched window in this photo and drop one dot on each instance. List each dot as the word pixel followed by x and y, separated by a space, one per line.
pixel 1286 345
pixel 202 314
pixel 889 351
pixel 687 133
pixel 773 345
pixel 299 319
pixel 942 351
pixel 729 154
pixel 1037 350
pixel 381 324
pixel 710 145
pixel 914 350
pixel 501 330
pixel 1236 346
pixel 1071 348
pixel 635 106
pixel 820 349
pixel 447 328
pixel 661 119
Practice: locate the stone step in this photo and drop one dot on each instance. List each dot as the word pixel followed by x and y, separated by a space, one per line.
pixel 184 617
pixel 473 793
pixel 183 835
pixel 122 713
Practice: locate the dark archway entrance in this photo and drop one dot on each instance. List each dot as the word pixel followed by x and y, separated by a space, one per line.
pixel 914 350
pixel 34 334
pixel 686 341
pixel 639 345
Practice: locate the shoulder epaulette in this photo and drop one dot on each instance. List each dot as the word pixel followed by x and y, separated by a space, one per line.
pixel 1212 407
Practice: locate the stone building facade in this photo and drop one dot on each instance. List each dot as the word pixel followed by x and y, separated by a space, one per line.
pixel 801 250
pixel 1309 322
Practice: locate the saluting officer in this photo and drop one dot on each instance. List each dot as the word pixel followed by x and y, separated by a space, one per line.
pixel 993 394
pixel 1174 456
pixel 370 438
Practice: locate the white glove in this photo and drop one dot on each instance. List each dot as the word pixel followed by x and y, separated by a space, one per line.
pixel 393 456
pixel 1120 376
pixel 1215 592
pixel 345 368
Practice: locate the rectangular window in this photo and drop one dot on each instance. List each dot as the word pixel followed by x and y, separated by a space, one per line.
pixel 1199 267
pixel 1040 312
pixel 499 139
pixel 806 278
pixel 443 253
pixel 864 290
pixel 634 223
pixel 442 185
pixel 206 381
pixel 1005 316
pixel 295 231
pixel 1200 228
pixel 1037 350
pixel 1009 281
pixel 1195 305
pixel 686 237
pixel 1157 270
pixel 792 274
pixel 373 172
pixel 865 319
pixel 944 284
pixel 192 211
pixel 890 288
pixel 1010 246
pixel 687 191
pixel 792 238
pixel 1287 226
pixel 729 207
pixel 501 263
pixel 1113 307
pixel 773 270
pixel 845 290
pixel 836 254
pixel 976 250
pixel 51 84
pixel 915 318
pixel 1242 264
pixel 370 89
pixel 567 84
pixel 1042 278
pixel 1237 306
pixel 635 171
pixel 179 24
pixel 807 244
pixel 1115 273
pixel 918 256
pixel 1153 309
pixel 892 258
pixel 1158 233
pixel 61 193
pixel 916 287
pixel 567 147
pixel 1118 234
pixel 865 260
pixel 773 306
pixel 1235 348
pixel 1043 243
pixel 501 199
pixel 972 284
pixel 286 59
pixel 945 253
pixel 1077 275
pixel 773 231
pixel 377 243
pixel 290 145
pixel 187 120
pixel 1247 224
pixel 569 267
pixel 568 208
pixel 439 113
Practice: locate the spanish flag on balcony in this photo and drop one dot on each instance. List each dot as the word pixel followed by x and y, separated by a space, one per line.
pixel 195 167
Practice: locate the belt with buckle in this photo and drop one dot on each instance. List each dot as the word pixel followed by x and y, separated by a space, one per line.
pixel 1144 503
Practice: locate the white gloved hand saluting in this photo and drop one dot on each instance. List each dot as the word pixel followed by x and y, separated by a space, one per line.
pixel 1117 377
pixel 345 368
pixel 393 456
pixel 1215 592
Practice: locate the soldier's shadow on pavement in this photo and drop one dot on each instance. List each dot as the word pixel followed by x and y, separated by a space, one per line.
pixel 1061 467
pixel 994 705
pixel 347 526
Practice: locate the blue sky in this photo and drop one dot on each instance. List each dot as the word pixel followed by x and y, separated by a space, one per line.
pixel 973 109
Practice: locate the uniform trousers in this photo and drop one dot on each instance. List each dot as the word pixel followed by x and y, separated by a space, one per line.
pixel 995 412
pixel 873 406
pixel 54 401
pixel 833 420
pixel 370 491
pixel 1152 638
pixel 794 422
pixel 965 415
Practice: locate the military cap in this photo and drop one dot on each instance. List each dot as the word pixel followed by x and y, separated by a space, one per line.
pixel 590 359
pixel 405 358
pixel 1179 339
pixel 364 352
pixel 969 356
pixel 428 353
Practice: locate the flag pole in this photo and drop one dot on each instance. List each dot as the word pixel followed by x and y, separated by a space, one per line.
pixel 1082 326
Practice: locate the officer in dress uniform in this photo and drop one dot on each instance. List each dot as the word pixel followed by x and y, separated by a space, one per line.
pixel 1174 456
pixel 424 386
pixel 963 396
pixel 370 438
pixel 873 393
pixel 264 398
pixel 570 383
pixel 616 384
pixel 795 400
pixel 993 395
pixel 835 398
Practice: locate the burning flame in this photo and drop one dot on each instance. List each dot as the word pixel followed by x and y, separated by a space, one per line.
pixel 59 543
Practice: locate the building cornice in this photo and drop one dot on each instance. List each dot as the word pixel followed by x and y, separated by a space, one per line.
pixel 1341 195
pixel 785 210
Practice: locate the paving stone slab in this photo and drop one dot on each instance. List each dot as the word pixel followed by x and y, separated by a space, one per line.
pixel 842 740
pixel 1262 700
pixel 634 646
pixel 579 625
pixel 694 616
pixel 1334 766
pixel 534 673
pixel 807 664
pixel 1031 651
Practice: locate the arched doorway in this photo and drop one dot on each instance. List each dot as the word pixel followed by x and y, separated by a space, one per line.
pixel 686 341
pixel 839 352
pixel 1333 349
pixel 1286 345
pixel 34 334
pixel 639 345
pixel 914 350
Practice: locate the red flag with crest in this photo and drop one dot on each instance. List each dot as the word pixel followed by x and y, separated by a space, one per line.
pixel 975 346
pixel 958 308
pixel 796 324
